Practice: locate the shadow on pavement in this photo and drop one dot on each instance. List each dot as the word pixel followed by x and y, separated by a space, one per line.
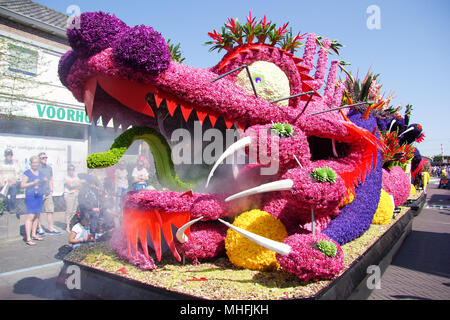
pixel 439 199
pixel 63 251
pixel 425 252
pixel 398 296
pixel 44 289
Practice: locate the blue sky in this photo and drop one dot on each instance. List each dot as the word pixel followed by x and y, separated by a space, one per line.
pixel 410 51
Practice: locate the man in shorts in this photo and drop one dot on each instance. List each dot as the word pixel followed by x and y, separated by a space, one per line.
pixel 48 206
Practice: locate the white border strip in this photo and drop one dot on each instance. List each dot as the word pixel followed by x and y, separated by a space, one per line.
pixel 9 273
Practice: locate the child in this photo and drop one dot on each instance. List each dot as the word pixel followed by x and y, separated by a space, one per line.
pixel 79 234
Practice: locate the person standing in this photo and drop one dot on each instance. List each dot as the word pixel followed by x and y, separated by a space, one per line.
pixel 140 175
pixel 121 186
pixel 48 206
pixel 9 172
pixel 89 202
pixel 32 182
pixel 72 186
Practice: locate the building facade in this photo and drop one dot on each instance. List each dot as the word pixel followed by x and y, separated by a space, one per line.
pixel 37 113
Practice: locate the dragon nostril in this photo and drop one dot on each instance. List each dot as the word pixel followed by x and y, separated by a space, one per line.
pixel 142 49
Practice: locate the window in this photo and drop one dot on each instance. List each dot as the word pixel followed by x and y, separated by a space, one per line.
pixel 22 60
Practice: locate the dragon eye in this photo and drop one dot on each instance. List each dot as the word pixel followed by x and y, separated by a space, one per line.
pixel 258 79
pixel 270 81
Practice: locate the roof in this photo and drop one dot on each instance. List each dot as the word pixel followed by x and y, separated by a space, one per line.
pixel 35 14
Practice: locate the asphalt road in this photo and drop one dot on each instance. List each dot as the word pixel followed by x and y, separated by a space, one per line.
pixel 418 271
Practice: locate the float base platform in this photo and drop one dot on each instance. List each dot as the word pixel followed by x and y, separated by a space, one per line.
pixel 95 272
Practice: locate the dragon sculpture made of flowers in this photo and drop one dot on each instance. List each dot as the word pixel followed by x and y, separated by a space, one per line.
pixel 327 188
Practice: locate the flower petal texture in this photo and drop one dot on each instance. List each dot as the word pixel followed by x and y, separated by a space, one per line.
pixel 244 253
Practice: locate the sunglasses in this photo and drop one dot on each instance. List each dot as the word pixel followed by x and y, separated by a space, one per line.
pixel 44 157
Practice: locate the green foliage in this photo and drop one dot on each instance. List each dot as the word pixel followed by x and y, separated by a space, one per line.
pixel 324 175
pixel 357 89
pixel 328 248
pixel 237 33
pixel 283 129
pixel 175 52
pixel 334 45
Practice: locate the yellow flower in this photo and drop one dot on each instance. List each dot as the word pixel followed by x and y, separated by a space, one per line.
pixel 243 252
pixel 385 210
pixel 413 190
pixel 347 199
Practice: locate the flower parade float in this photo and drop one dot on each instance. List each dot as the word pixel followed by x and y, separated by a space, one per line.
pixel 243 231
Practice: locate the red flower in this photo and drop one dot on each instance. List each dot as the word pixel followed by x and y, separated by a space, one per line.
pixel 251 21
pixel 282 30
pixel 299 37
pixel 264 22
pixel 215 36
pixel 232 25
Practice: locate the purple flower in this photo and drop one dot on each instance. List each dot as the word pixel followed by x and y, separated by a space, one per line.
pixel 142 49
pixel 65 63
pixel 97 32
pixel 355 219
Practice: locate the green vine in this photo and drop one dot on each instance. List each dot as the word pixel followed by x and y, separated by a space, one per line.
pixel 161 152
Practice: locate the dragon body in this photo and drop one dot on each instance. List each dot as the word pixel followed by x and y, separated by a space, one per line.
pixel 324 156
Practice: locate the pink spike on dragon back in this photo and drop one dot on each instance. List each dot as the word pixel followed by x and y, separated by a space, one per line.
pixel 126 74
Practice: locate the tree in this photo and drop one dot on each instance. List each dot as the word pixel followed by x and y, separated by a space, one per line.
pixel 23 70
pixel 438 158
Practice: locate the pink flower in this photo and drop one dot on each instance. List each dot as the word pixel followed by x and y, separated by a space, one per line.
pixel 396 183
pixel 308 262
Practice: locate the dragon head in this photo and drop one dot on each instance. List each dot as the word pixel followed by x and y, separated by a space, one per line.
pixel 324 152
pixel 126 74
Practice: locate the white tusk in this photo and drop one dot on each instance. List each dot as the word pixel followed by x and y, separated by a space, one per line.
pixel 298 162
pixel 285 184
pixel 407 130
pixel 276 246
pixel 392 124
pixel 235 171
pixel 392 199
pixel 181 237
pixel 334 148
pixel 242 143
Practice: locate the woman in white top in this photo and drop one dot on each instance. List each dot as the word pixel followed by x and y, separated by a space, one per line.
pixel 80 233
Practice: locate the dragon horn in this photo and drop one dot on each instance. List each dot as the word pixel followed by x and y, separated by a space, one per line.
pixel 285 184
pixel 181 237
pixel 276 246
pixel 242 143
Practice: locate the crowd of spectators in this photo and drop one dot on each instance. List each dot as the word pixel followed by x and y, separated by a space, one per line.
pixel 92 201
